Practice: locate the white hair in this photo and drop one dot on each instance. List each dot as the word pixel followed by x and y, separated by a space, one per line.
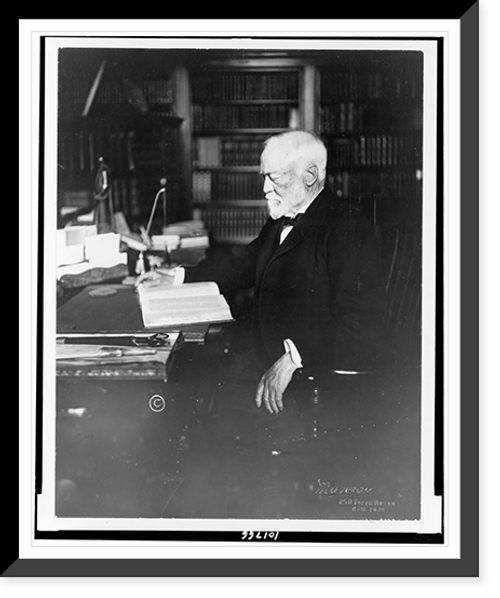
pixel 300 146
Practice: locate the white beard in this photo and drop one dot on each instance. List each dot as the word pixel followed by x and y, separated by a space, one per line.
pixel 276 208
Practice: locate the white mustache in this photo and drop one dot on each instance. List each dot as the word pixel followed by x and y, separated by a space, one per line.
pixel 275 207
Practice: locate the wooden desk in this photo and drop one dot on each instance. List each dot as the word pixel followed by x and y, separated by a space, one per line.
pixel 118 457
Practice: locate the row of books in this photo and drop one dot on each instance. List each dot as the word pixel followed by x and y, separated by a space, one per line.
pixel 155 91
pixel 342 116
pixel 388 150
pixel 217 151
pixel 253 116
pixel 226 186
pixel 339 117
pixel 245 86
pixel 340 153
pixel 81 150
pixel 396 185
pixel 207 151
pixel 238 224
pixel 401 83
pixel 202 186
pixel 123 150
pixel 125 196
pixel 375 150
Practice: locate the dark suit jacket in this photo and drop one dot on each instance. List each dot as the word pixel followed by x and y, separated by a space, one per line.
pixel 324 287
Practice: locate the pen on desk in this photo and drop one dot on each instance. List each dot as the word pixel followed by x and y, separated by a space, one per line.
pixel 125 351
pixel 139 351
pixel 83 335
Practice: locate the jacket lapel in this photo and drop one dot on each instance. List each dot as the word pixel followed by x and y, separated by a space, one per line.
pixel 312 218
pixel 269 246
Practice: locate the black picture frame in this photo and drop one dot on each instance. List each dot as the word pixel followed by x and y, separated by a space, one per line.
pixel 467 564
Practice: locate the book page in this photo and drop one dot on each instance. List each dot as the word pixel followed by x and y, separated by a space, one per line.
pixel 166 289
pixel 160 310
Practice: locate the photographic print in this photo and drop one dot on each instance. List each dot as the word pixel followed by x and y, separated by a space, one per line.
pixel 243 241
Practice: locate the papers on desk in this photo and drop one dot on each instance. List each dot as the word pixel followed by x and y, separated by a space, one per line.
pixel 105 247
pixel 190 233
pixel 196 240
pixel 167 305
pixel 70 248
pixel 165 242
pixel 115 360
pixel 185 228
pixel 80 249
pixel 103 353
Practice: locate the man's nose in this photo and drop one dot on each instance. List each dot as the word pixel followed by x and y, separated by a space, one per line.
pixel 267 187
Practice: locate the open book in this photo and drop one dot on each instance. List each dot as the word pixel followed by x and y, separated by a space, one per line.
pixel 167 305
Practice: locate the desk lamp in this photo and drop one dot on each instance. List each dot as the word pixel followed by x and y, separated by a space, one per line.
pixel 162 190
pixel 146 232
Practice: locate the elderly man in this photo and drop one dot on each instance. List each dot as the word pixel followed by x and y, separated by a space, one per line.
pixel 317 275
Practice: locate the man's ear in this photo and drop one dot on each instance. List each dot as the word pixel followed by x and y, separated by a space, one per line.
pixel 311 176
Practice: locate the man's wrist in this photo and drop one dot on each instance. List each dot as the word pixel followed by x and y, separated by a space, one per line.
pixel 292 351
pixel 179 275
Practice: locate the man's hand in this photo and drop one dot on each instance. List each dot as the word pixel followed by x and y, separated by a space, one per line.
pixel 274 383
pixel 156 276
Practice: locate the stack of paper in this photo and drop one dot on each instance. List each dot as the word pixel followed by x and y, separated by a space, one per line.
pixel 196 240
pixel 104 250
pixel 99 251
pixel 190 233
pixel 184 228
pixel 162 242
pixel 70 248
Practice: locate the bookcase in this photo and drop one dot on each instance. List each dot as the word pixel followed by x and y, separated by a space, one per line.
pixel 233 110
pixel 198 119
pixel 129 124
pixel 370 117
pixel 367 106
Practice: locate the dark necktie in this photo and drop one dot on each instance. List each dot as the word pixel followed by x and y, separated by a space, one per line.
pixel 287 221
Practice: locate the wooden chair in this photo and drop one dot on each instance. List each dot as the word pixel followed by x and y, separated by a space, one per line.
pixel 402 256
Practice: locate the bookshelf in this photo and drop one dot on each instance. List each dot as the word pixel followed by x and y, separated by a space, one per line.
pixel 129 123
pixel 366 105
pixel 199 119
pixel 233 110
pixel 370 117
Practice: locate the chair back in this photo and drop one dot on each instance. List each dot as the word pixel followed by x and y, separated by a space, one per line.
pixel 403 251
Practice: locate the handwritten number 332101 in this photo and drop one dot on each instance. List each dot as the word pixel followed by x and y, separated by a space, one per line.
pixel 259 535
